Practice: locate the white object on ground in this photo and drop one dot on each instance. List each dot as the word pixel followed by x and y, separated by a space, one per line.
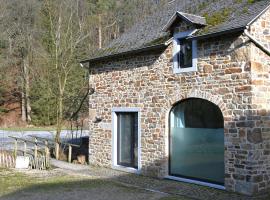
pixel 22 162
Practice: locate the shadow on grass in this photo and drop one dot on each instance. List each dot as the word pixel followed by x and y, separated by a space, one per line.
pixel 73 188
pixel 117 186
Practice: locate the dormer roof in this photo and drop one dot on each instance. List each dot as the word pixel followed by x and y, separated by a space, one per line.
pixel 189 18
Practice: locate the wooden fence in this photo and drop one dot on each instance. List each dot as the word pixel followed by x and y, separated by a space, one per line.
pixel 38 153
pixel 7 160
pixel 38 150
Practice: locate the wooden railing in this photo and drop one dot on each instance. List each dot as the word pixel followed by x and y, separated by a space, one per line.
pixel 7 160
pixel 45 144
pixel 57 147
pixel 39 155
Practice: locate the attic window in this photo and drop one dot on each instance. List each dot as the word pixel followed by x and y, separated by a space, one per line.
pixel 184 53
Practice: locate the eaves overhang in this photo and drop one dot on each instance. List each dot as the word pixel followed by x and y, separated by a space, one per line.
pixel 218 33
pixel 134 51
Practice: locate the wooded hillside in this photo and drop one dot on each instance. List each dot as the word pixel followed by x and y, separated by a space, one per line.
pixel 41 44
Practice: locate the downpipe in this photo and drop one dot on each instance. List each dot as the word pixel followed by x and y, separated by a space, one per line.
pixel 257 43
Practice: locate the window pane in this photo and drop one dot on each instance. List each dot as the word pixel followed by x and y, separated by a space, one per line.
pixel 185 54
pixel 127 139
pixel 197 141
pixel 135 149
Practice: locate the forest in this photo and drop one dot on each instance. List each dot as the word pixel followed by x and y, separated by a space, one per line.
pixel 41 45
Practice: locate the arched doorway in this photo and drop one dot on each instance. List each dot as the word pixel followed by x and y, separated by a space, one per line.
pixel 197 141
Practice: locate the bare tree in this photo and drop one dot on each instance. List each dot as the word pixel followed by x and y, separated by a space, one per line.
pixel 19 23
pixel 67 32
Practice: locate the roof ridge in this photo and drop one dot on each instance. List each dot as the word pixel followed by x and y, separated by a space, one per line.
pixel 185 13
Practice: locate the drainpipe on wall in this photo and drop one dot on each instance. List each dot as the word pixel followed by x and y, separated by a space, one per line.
pixel 95 119
pixel 257 43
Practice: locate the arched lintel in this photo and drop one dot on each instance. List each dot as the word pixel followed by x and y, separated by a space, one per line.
pixel 179 96
pixel 216 99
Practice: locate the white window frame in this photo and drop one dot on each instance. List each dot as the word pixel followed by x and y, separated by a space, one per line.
pixel 176 50
pixel 114 140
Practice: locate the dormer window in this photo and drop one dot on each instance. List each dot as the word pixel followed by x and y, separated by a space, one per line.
pixel 182 26
pixel 184 53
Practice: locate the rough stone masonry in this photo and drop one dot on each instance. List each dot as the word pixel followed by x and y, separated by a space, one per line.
pixel 232 73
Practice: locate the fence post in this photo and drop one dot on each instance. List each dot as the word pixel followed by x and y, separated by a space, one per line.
pixel 15 148
pixel 36 150
pixel 57 150
pixel 47 153
pixel 69 153
pixel 24 150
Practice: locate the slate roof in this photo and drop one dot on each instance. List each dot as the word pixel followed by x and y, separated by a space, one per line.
pixel 226 15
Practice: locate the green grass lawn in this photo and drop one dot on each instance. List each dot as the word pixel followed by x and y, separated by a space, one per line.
pixel 39 186
pixel 11 181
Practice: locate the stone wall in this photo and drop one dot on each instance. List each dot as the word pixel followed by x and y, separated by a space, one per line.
pixel 183 26
pixel 226 76
pixel 259 136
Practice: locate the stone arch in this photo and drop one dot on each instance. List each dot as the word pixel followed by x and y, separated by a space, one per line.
pixel 179 96
pixel 195 93
pixel 212 128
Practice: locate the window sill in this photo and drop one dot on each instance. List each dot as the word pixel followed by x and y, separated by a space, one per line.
pixel 184 70
pixel 126 169
pixel 220 187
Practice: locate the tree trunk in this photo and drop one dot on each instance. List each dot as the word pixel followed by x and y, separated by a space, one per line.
pixel 99 32
pixel 27 93
pixel 23 88
pixel 59 119
pixel 26 108
pixel 23 106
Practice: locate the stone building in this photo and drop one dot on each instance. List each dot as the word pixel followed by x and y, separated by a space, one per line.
pixel 185 95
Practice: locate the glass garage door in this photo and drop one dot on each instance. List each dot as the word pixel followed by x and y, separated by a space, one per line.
pixel 197 141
